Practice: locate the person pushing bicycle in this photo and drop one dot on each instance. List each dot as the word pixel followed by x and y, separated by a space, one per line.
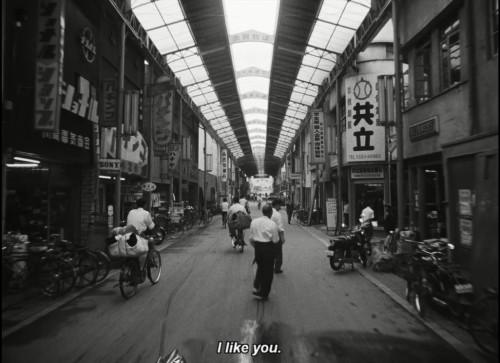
pixel 235 208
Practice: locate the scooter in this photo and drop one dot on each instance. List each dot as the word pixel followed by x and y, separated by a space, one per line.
pixel 349 248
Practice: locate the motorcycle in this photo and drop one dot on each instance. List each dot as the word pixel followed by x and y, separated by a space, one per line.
pixel 348 248
pixel 431 278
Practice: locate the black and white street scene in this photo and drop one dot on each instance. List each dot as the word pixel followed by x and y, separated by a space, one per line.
pixel 250 181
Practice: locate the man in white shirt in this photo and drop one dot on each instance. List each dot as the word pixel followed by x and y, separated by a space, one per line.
pixel 264 236
pixel 235 208
pixel 141 220
pixel 224 207
pixel 367 215
pixel 276 218
pixel 244 203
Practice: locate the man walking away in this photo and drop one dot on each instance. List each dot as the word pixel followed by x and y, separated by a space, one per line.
pixel 235 208
pixel 276 218
pixel 263 237
pixel 289 210
pixel 224 207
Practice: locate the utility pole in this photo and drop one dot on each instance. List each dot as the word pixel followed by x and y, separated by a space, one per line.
pixel 399 123
pixel 118 144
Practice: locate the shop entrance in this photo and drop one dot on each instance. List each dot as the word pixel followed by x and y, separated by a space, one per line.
pixel 371 193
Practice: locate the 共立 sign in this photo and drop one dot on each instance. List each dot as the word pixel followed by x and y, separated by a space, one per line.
pixel 365 136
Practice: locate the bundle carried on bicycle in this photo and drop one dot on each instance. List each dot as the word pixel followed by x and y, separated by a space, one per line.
pixel 126 242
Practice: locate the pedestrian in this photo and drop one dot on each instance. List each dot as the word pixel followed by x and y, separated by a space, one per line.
pixel 224 207
pixel 264 235
pixel 346 213
pixel 276 218
pixel 142 221
pixel 289 210
pixel 390 221
pixel 367 216
pixel 259 202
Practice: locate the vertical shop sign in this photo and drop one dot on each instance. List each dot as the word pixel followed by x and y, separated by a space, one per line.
pixel 161 96
pixel 109 102
pixel 49 62
pixel 365 135
pixel 318 135
pixel 174 154
pixel 224 165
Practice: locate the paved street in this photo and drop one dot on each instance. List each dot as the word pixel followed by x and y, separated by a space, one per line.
pixel 204 302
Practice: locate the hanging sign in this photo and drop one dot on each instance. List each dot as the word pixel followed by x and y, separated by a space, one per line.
pixel 365 136
pixel 318 137
pixel 161 96
pixel 174 154
pixel 49 64
pixel 224 165
pixel 148 187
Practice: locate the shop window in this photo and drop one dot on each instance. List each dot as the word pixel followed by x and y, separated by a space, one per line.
pixel 423 78
pixel 450 53
pixel 494 27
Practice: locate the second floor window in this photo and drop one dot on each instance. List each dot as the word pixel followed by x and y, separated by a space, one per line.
pixel 450 54
pixel 423 90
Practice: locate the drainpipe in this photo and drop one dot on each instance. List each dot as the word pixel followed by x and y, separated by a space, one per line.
pixel 118 144
pixel 398 118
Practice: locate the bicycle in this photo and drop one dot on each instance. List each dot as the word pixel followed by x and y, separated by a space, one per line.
pixel 301 216
pixel 224 219
pixel 206 217
pixel 52 274
pixel 238 240
pixel 132 274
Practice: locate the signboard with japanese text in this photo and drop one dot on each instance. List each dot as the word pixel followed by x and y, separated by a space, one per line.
pixel 367 172
pixel 318 137
pixel 296 176
pixel 176 212
pixel 161 97
pixel 134 151
pixel 331 213
pixel 49 64
pixel 224 165
pixel 174 155
pixel 365 136
pixel 109 102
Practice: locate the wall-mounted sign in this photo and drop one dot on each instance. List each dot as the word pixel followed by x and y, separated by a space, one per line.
pixel 295 176
pixel 367 172
pixel 87 42
pixel 109 102
pixel 365 136
pixel 224 165
pixel 148 186
pixel 424 129
pixel 318 137
pixel 110 165
pixel 49 64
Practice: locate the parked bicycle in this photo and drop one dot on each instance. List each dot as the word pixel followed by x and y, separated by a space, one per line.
pixel 206 217
pixel 301 216
pixel 40 266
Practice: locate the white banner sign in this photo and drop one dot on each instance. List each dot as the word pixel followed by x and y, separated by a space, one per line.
pixel 331 212
pixel 365 136
pixel 318 137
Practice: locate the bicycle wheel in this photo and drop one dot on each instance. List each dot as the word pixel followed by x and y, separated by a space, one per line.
pixel 128 278
pixel 303 218
pixel 17 274
pixel 483 324
pixel 86 269
pixel 56 276
pixel 175 231
pixel 209 217
pixel 154 267
pixel 295 216
pixel 103 264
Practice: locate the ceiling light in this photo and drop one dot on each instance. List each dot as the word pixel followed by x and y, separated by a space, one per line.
pixel 22 165
pixel 27 160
